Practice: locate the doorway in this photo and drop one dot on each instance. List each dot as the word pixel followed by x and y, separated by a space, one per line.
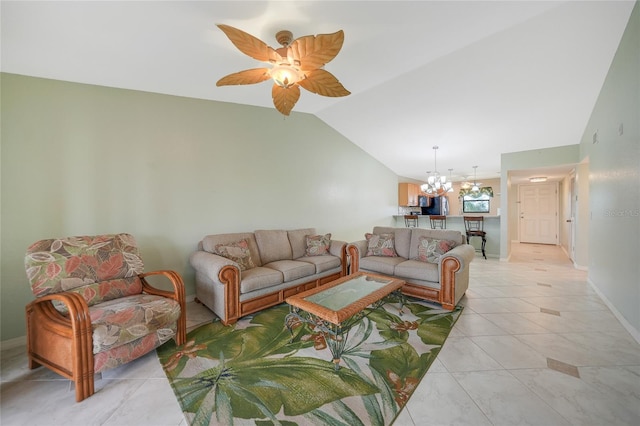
pixel 572 219
pixel 538 215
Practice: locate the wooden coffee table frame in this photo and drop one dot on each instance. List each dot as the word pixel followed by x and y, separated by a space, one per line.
pixel 336 324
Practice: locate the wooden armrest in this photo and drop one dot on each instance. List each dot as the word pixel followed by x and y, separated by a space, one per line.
pixel 51 335
pixel 354 251
pixel 177 294
pixel 176 280
pixel 76 319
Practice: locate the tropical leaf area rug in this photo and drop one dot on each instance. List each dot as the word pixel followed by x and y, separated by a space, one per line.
pixel 257 372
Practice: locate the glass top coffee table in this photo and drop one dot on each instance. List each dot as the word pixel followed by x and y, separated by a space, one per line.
pixel 336 307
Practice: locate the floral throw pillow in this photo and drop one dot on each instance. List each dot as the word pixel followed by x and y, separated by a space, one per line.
pixel 318 245
pixel 430 250
pixel 381 245
pixel 238 252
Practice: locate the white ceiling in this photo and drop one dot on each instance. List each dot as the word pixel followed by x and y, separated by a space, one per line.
pixel 476 78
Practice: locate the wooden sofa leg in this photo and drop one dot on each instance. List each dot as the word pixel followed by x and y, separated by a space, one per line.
pixel 85 386
pixel 33 364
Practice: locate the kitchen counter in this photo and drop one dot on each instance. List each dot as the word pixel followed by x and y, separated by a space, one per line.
pixel 491 227
pixel 449 216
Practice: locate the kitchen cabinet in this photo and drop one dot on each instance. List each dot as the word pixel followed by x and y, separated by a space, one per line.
pixel 408 194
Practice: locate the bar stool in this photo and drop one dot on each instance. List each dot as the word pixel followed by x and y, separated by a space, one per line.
pixel 438 221
pixel 411 221
pixel 474 227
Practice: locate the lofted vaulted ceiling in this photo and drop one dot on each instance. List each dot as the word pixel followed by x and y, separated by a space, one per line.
pixel 476 78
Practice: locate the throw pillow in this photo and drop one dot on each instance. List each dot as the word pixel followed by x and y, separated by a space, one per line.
pixel 318 245
pixel 238 252
pixel 430 250
pixel 381 245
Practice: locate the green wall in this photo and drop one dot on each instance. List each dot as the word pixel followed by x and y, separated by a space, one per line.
pixel 80 159
pixel 614 180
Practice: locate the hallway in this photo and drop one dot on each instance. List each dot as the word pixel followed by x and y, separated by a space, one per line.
pixel 535 345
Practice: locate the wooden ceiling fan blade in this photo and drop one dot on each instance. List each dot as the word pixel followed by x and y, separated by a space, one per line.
pixel 252 76
pixel 285 99
pixel 312 52
pixel 250 45
pixel 323 83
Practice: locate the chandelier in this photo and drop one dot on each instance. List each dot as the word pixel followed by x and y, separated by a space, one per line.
pixel 437 184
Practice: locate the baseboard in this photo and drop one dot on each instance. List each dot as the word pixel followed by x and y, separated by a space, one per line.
pixel 632 330
pixel 580 267
pixel 16 342
pixel 575 265
pixel 22 340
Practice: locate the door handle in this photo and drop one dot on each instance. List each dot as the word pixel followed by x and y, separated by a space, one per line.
pixel 568 220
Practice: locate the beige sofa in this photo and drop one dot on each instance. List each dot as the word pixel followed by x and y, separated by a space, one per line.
pixel 444 281
pixel 241 273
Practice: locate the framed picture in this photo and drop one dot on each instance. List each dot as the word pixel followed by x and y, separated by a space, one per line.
pixel 476 206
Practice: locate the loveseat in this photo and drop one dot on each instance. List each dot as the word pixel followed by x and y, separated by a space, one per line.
pixel 434 263
pixel 241 273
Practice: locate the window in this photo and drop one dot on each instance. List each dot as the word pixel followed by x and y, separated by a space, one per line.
pixel 476 201
pixel 476 206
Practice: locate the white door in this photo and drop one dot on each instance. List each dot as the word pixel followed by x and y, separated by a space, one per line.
pixel 539 213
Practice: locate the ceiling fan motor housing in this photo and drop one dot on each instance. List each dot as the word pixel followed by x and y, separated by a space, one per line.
pixel 284 37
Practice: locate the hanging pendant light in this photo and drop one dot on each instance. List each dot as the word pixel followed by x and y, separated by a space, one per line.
pixel 475 188
pixel 437 184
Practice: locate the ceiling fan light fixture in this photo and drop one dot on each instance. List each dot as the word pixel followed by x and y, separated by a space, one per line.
pixel 284 75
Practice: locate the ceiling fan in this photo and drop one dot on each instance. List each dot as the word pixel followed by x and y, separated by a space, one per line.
pixel 298 63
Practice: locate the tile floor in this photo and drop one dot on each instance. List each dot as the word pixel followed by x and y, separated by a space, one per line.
pixel 535 345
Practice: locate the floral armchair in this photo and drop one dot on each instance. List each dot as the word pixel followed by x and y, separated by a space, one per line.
pixel 94 308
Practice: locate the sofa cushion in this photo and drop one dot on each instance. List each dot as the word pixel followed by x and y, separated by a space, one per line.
pixel 298 241
pixel 414 269
pixel 211 241
pixel 120 321
pixel 292 269
pixel 380 245
pixel 437 234
pixel 380 264
pixel 99 268
pixel 322 263
pixel 402 238
pixel 318 245
pixel 273 245
pixel 259 278
pixel 237 251
pixel 430 250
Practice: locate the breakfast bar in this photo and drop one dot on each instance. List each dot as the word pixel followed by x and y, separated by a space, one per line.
pixel 455 222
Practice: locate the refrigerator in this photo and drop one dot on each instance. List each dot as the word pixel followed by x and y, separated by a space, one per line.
pixel 435 205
